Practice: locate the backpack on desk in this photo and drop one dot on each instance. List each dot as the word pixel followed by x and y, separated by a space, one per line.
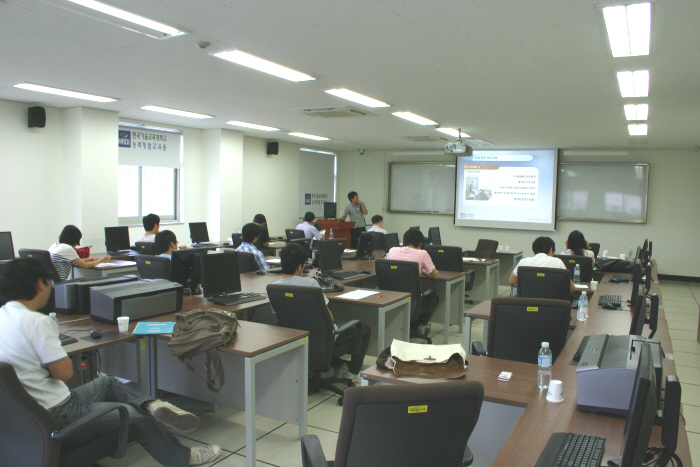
pixel 198 331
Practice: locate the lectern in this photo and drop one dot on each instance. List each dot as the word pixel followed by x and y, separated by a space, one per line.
pixel 340 229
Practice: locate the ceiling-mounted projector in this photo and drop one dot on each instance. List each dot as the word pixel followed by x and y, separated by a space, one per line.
pixel 458 148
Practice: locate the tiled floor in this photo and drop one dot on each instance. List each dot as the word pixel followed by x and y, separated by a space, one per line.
pixel 278 445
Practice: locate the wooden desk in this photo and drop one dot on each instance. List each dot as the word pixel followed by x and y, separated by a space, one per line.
pixel 507 259
pixel 486 273
pixel 120 267
pixel 450 288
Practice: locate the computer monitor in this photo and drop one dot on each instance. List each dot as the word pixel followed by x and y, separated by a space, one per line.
pixel 184 269
pixel 434 236
pixel 638 255
pixel 636 280
pixel 305 242
pixel 117 238
pixel 329 256
pixel 219 274
pixel 364 246
pixel 330 210
pixel 647 278
pixel 639 314
pixel 391 240
pixel 7 250
pixel 417 227
pixel 199 232
pixel 653 320
pixel 642 412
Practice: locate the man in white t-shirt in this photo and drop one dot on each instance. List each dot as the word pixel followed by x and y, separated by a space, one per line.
pixel 543 247
pixel 377 224
pixel 151 224
pixel 29 342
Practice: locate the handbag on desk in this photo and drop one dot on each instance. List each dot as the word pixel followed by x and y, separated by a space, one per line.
pixel 83 252
pixel 424 361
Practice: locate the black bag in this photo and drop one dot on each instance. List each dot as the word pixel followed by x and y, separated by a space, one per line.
pixel 614 265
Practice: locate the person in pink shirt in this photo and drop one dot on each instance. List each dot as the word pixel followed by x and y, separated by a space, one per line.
pixel 410 251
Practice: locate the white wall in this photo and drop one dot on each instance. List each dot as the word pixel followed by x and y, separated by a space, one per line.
pixel 672 221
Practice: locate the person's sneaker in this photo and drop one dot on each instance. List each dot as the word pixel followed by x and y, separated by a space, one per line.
pixel 340 372
pixel 173 417
pixel 424 329
pixel 355 378
pixel 204 454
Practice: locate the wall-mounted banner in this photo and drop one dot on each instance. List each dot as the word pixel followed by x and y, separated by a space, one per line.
pixel 149 148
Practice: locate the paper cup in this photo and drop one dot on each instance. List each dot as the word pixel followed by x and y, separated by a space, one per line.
pixel 500 247
pixel 594 285
pixel 507 248
pixel 123 323
pixel 555 393
pixel 605 253
pixel 623 256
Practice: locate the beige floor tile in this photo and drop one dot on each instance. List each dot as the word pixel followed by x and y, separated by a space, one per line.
pixel 686 346
pixel 686 319
pixel 237 460
pixel 688 375
pixel 687 299
pixel 686 359
pixel 683 335
pixel 692 418
pixel 136 456
pixel 326 415
pixel 682 310
pixel 680 303
pixel 694 443
pixel 681 324
pixel 283 448
pixel 690 394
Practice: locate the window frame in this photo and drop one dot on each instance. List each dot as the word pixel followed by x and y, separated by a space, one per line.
pixel 167 219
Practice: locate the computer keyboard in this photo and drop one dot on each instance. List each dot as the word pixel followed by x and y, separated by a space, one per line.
pixel 204 244
pixel 274 271
pixel 620 278
pixel 346 275
pixel 614 299
pixel 572 449
pixel 66 339
pixel 235 298
pixel 121 252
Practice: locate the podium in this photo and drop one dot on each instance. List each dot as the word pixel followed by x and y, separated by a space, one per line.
pixel 340 229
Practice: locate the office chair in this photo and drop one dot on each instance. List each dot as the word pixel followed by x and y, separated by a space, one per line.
pixel 246 261
pixel 518 326
pixel 305 308
pixel 342 245
pixel 544 283
pixel 146 248
pixel 586 265
pixel 236 239
pixel 294 233
pixel 153 267
pixel 485 249
pixel 45 257
pixel 378 427
pixel 404 276
pixel 449 258
pixel 595 248
pixel 31 436
pixel 391 240
pixel 378 242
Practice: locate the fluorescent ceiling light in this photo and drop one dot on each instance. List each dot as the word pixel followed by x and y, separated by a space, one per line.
pixel 118 17
pixel 63 92
pixel 638 130
pixel 319 152
pixel 256 63
pixel 411 117
pixel 637 112
pixel 253 126
pixel 629 29
pixel 304 135
pixel 634 84
pixel 452 132
pixel 356 97
pixel 181 113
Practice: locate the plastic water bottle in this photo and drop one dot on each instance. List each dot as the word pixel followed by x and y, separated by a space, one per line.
pixel 55 320
pixel 330 236
pixel 582 314
pixel 577 274
pixel 630 254
pixel 544 366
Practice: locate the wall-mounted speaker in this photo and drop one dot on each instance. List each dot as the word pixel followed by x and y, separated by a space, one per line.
pixel 273 148
pixel 36 117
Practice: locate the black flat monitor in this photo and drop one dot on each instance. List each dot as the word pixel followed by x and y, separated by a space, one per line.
pixel 637 272
pixel 639 314
pixel 391 240
pixel 434 236
pixel 199 232
pixel 364 246
pixel 117 238
pixel 585 265
pixel 642 412
pixel 305 242
pixel 219 274
pixel 377 241
pixel 7 250
pixel 329 256
pixel 293 234
pixel 417 227
pixel 638 255
pixel 184 268
pixel 330 210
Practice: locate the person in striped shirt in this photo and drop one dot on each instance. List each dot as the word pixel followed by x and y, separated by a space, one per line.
pixel 250 235
pixel 64 256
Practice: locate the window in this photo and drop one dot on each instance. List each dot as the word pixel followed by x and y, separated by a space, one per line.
pixel 145 190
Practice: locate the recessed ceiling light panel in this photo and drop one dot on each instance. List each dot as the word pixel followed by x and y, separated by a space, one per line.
pixel 181 113
pixel 257 63
pixel 356 97
pixel 253 126
pixel 304 135
pixel 633 83
pixel 636 112
pixel 411 117
pixel 629 29
pixel 64 92
pixel 452 132
pixel 638 130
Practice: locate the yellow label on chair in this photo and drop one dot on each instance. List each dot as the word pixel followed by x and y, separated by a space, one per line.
pixel 287 294
pixel 394 267
pixel 148 262
pixel 572 260
pixel 533 308
pixel 441 251
pixel 31 256
pixel 540 274
pixel 417 408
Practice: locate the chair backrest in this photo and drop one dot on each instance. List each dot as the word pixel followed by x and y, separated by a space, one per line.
pixel 391 240
pixel 446 258
pixel 377 245
pixel 585 262
pixel 294 233
pixel 342 244
pixel 544 283
pixel 236 239
pixel 305 308
pixel 146 248
pixel 153 267
pixel 485 248
pixel 434 236
pixel 43 256
pixel 518 326
pixel 400 276
pixel 595 248
pixel 26 440
pixel 246 261
pixel 429 424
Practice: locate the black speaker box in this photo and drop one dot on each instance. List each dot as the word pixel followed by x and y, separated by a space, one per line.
pixel 273 148
pixel 37 117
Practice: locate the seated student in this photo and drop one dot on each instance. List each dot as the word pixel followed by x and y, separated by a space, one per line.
pixel 166 242
pixel 294 258
pixel 377 224
pixel 543 247
pixel 410 251
pixel 264 235
pixel 577 245
pixel 250 235
pixel 64 256
pixel 151 224
pixel 29 342
pixel 308 227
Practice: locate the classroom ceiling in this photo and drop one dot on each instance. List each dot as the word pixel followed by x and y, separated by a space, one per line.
pixel 514 73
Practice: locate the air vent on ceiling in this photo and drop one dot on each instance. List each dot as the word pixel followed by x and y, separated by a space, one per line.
pixel 335 112
pixel 639 141
pixel 424 139
pixel 480 142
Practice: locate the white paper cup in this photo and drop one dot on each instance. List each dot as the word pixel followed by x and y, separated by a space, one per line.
pixel 123 323
pixel 594 285
pixel 605 253
pixel 555 393
pixel 500 247
pixel 623 256
pixel 507 248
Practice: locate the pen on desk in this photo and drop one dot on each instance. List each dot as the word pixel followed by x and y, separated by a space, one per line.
pixel 378 296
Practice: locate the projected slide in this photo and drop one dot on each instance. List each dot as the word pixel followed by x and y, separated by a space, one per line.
pixel 506 189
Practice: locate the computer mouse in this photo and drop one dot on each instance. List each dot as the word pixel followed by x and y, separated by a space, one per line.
pixel 306 270
pixel 260 272
pixel 577 356
pixel 613 280
pixel 366 271
pixel 609 306
pixel 95 333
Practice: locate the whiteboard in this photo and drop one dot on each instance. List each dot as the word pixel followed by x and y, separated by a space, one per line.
pixel 606 192
pixel 427 187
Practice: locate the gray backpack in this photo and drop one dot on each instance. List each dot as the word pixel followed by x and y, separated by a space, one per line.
pixel 198 331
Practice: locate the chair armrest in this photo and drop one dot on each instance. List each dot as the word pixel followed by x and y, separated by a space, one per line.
pixel 123 426
pixel 478 348
pixel 312 452
pixel 469 276
pixel 358 332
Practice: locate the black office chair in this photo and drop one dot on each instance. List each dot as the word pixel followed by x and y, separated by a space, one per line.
pixel 305 308
pixel 377 245
pixel 595 248
pixel 153 267
pixel 585 263
pixel 378 427
pixel 30 436
pixel 485 249
pixel 342 244
pixel 391 240
pixel 246 261
pixel 544 283
pixel 449 258
pixel 294 233
pixel 45 257
pixel 146 248
pixel 518 326
pixel 404 276
pixel 236 239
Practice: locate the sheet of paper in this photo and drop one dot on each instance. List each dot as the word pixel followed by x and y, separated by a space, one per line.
pixel 350 251
pixel 274 261
pixel 358 294
pixel 581 286
pixel 104 265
